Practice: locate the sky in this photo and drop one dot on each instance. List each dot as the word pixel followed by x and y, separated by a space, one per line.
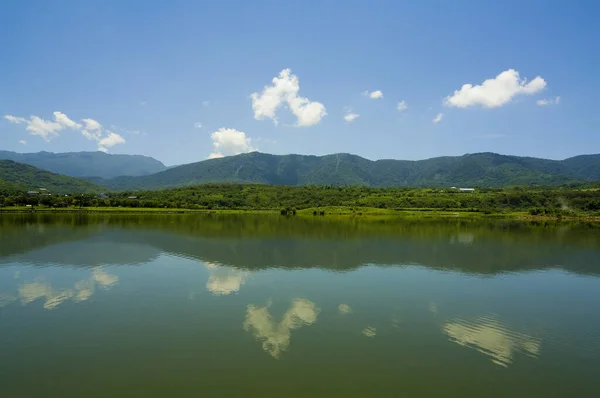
pixel 183 81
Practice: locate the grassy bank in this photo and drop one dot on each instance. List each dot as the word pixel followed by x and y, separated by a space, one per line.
pixel 327 211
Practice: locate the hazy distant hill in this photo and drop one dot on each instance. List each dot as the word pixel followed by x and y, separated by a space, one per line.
pixel 480 169
pixel 88 164
pixel 23 177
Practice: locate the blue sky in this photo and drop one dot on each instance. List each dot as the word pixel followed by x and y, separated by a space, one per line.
pixel 137 77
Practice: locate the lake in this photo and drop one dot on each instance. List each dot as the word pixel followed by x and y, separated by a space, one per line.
pixel 269 306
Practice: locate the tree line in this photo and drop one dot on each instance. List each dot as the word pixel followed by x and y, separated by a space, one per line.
pixel 269 197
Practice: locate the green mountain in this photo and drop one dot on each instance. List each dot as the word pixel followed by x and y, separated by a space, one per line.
pixel 22 177
pixel 480 170
pixel 88 164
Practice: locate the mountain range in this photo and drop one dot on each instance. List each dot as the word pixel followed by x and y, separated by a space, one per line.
pixel 133 172
pixel 480 170
pixel 88 164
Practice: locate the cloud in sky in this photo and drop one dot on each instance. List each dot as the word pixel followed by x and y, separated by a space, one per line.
pixel 227 142
pixel 109 141
pixel 92 129
pixel 284 90
pixel 350 116
pixel 47 130
pixel 377 94
pixel 64 120
pixel 438 118
pixel 23 142
pixel 495 92
pixel 14 119
pixel 548 101
pixel 402 106
pixel 197 125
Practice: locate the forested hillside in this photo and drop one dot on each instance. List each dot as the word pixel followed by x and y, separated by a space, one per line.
pixel 22 177
pixel 479 170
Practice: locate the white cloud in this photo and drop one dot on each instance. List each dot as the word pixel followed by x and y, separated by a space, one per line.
pixel 495 92
pixel 15 119
pixel 23 142
pixel 438 118
pixel 91 124
pixel 377 94
pixel 91 129
pixel 402 106
pixel 285 90
pixel 548 101
pixel 205 103
pixel 64 120
pixel 197 125
pixel 227 142
pixel 109 141
pixel 350 116
pixel 44 128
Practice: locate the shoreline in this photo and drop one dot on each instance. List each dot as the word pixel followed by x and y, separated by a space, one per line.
pixel 335 212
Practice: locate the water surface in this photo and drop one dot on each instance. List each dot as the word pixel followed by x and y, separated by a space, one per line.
pixel 215 306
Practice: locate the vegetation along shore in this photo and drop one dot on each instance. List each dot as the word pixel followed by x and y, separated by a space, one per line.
pixel 564 202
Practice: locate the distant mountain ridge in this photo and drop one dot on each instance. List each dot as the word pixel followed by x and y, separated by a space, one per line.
pixel 479 170
pixel 88 164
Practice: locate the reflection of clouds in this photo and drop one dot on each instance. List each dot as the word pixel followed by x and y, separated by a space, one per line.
pixel 224 280
pixel 81 291
pixel 276 337
pixel 344 309
pixel 57 299
pixel 433 308
pixel 396 321
pixel 210 265
pixel 29 292
pixel 464 238
pixel 84 290
pixel 6 299
pixel 369 331
pixel 104 279
pixel 488 336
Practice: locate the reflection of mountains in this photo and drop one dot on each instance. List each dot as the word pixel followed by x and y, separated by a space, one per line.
pixel 255 243
pixel 103 248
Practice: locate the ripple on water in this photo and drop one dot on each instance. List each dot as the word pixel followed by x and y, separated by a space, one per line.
pixel 490 337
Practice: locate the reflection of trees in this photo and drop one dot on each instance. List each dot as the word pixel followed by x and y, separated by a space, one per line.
pixel 275 337
pixel 255 242
pixel 490 337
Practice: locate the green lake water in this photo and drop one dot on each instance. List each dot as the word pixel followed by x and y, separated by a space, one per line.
pixel 242 306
